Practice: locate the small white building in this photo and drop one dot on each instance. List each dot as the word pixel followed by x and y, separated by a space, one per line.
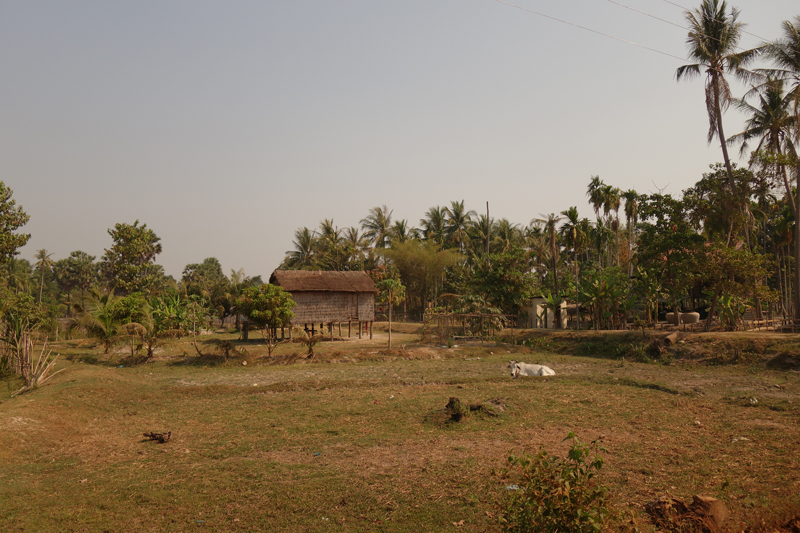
pixel 537 316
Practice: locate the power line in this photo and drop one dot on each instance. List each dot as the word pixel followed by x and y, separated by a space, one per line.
pixel 707 36
pixel 591 30
pixel 648 15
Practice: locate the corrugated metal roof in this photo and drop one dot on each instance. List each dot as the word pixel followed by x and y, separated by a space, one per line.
pixel 322 281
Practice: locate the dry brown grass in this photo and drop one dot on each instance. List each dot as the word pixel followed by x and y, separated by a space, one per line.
pixel 350 440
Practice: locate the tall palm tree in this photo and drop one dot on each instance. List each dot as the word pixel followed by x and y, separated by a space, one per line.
pixel 631 198
pixel 771 123
pixel 785 53
pixel 355 244
pixel 595 193
pixel 376 226
pixel 305 247
pixel 458 220
pixel 400 232
pixel 331 248
pixel 505 235
pixel 550 222
pixel 714 34
pixel 434 225
pixel 44 264
pixel 575 238
pixel 479 228
pixel 18 275
pixel 611 202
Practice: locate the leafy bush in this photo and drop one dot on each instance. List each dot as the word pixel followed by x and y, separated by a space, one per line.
pixel 550 494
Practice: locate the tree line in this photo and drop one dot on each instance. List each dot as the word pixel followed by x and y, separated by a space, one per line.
pixel 728 243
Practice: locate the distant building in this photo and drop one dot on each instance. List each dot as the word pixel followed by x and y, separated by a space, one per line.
pixel 325 297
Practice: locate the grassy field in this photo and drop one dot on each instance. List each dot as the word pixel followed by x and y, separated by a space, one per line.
pixel 356 438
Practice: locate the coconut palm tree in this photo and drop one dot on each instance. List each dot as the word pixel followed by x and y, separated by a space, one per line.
pixel 478 229
pixel 333 253
pixel 714 34
pixel 400 232
pixel 18 275
pixel 505 235
pixel 785 53
pixel 355 244
pixel 102 321
pixel 434 225
pixel 44 264
pixel 458 221
pixel 305 249
pixel 376 226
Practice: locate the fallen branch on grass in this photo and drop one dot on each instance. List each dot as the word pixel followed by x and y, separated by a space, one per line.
pixel 161 438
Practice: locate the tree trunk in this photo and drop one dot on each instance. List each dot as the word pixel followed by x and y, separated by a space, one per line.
pixel 720 133
pixel 577 300
pixel 711 310
pixel 796 250
pixel 390 323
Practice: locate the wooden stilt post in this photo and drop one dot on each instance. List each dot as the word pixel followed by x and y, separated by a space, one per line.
pixel 370 329
pixel 349 328
pixel 330 328
pixel 340 329
pixel 360 326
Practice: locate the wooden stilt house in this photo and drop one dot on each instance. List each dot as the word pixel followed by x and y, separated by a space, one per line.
pixel 328 298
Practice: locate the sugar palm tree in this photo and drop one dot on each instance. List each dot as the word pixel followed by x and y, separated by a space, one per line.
pixel 575 238
pixel 550 221
pixel 44 264
pixel 612 202
pixel 714 34
pixel 631 198
pixel 595 193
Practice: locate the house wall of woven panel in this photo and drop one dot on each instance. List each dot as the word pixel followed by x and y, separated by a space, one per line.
pixel 323 297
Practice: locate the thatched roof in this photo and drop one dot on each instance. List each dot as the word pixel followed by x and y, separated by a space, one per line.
pixel 322 281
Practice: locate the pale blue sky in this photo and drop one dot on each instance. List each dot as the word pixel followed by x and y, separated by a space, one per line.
pixel 225 126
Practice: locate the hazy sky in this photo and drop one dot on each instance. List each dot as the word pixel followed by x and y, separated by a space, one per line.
pixel 225 126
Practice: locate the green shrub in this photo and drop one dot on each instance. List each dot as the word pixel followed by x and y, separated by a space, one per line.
pixel 550 494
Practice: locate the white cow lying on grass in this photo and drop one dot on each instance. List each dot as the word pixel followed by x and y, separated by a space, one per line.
pixel 525 369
